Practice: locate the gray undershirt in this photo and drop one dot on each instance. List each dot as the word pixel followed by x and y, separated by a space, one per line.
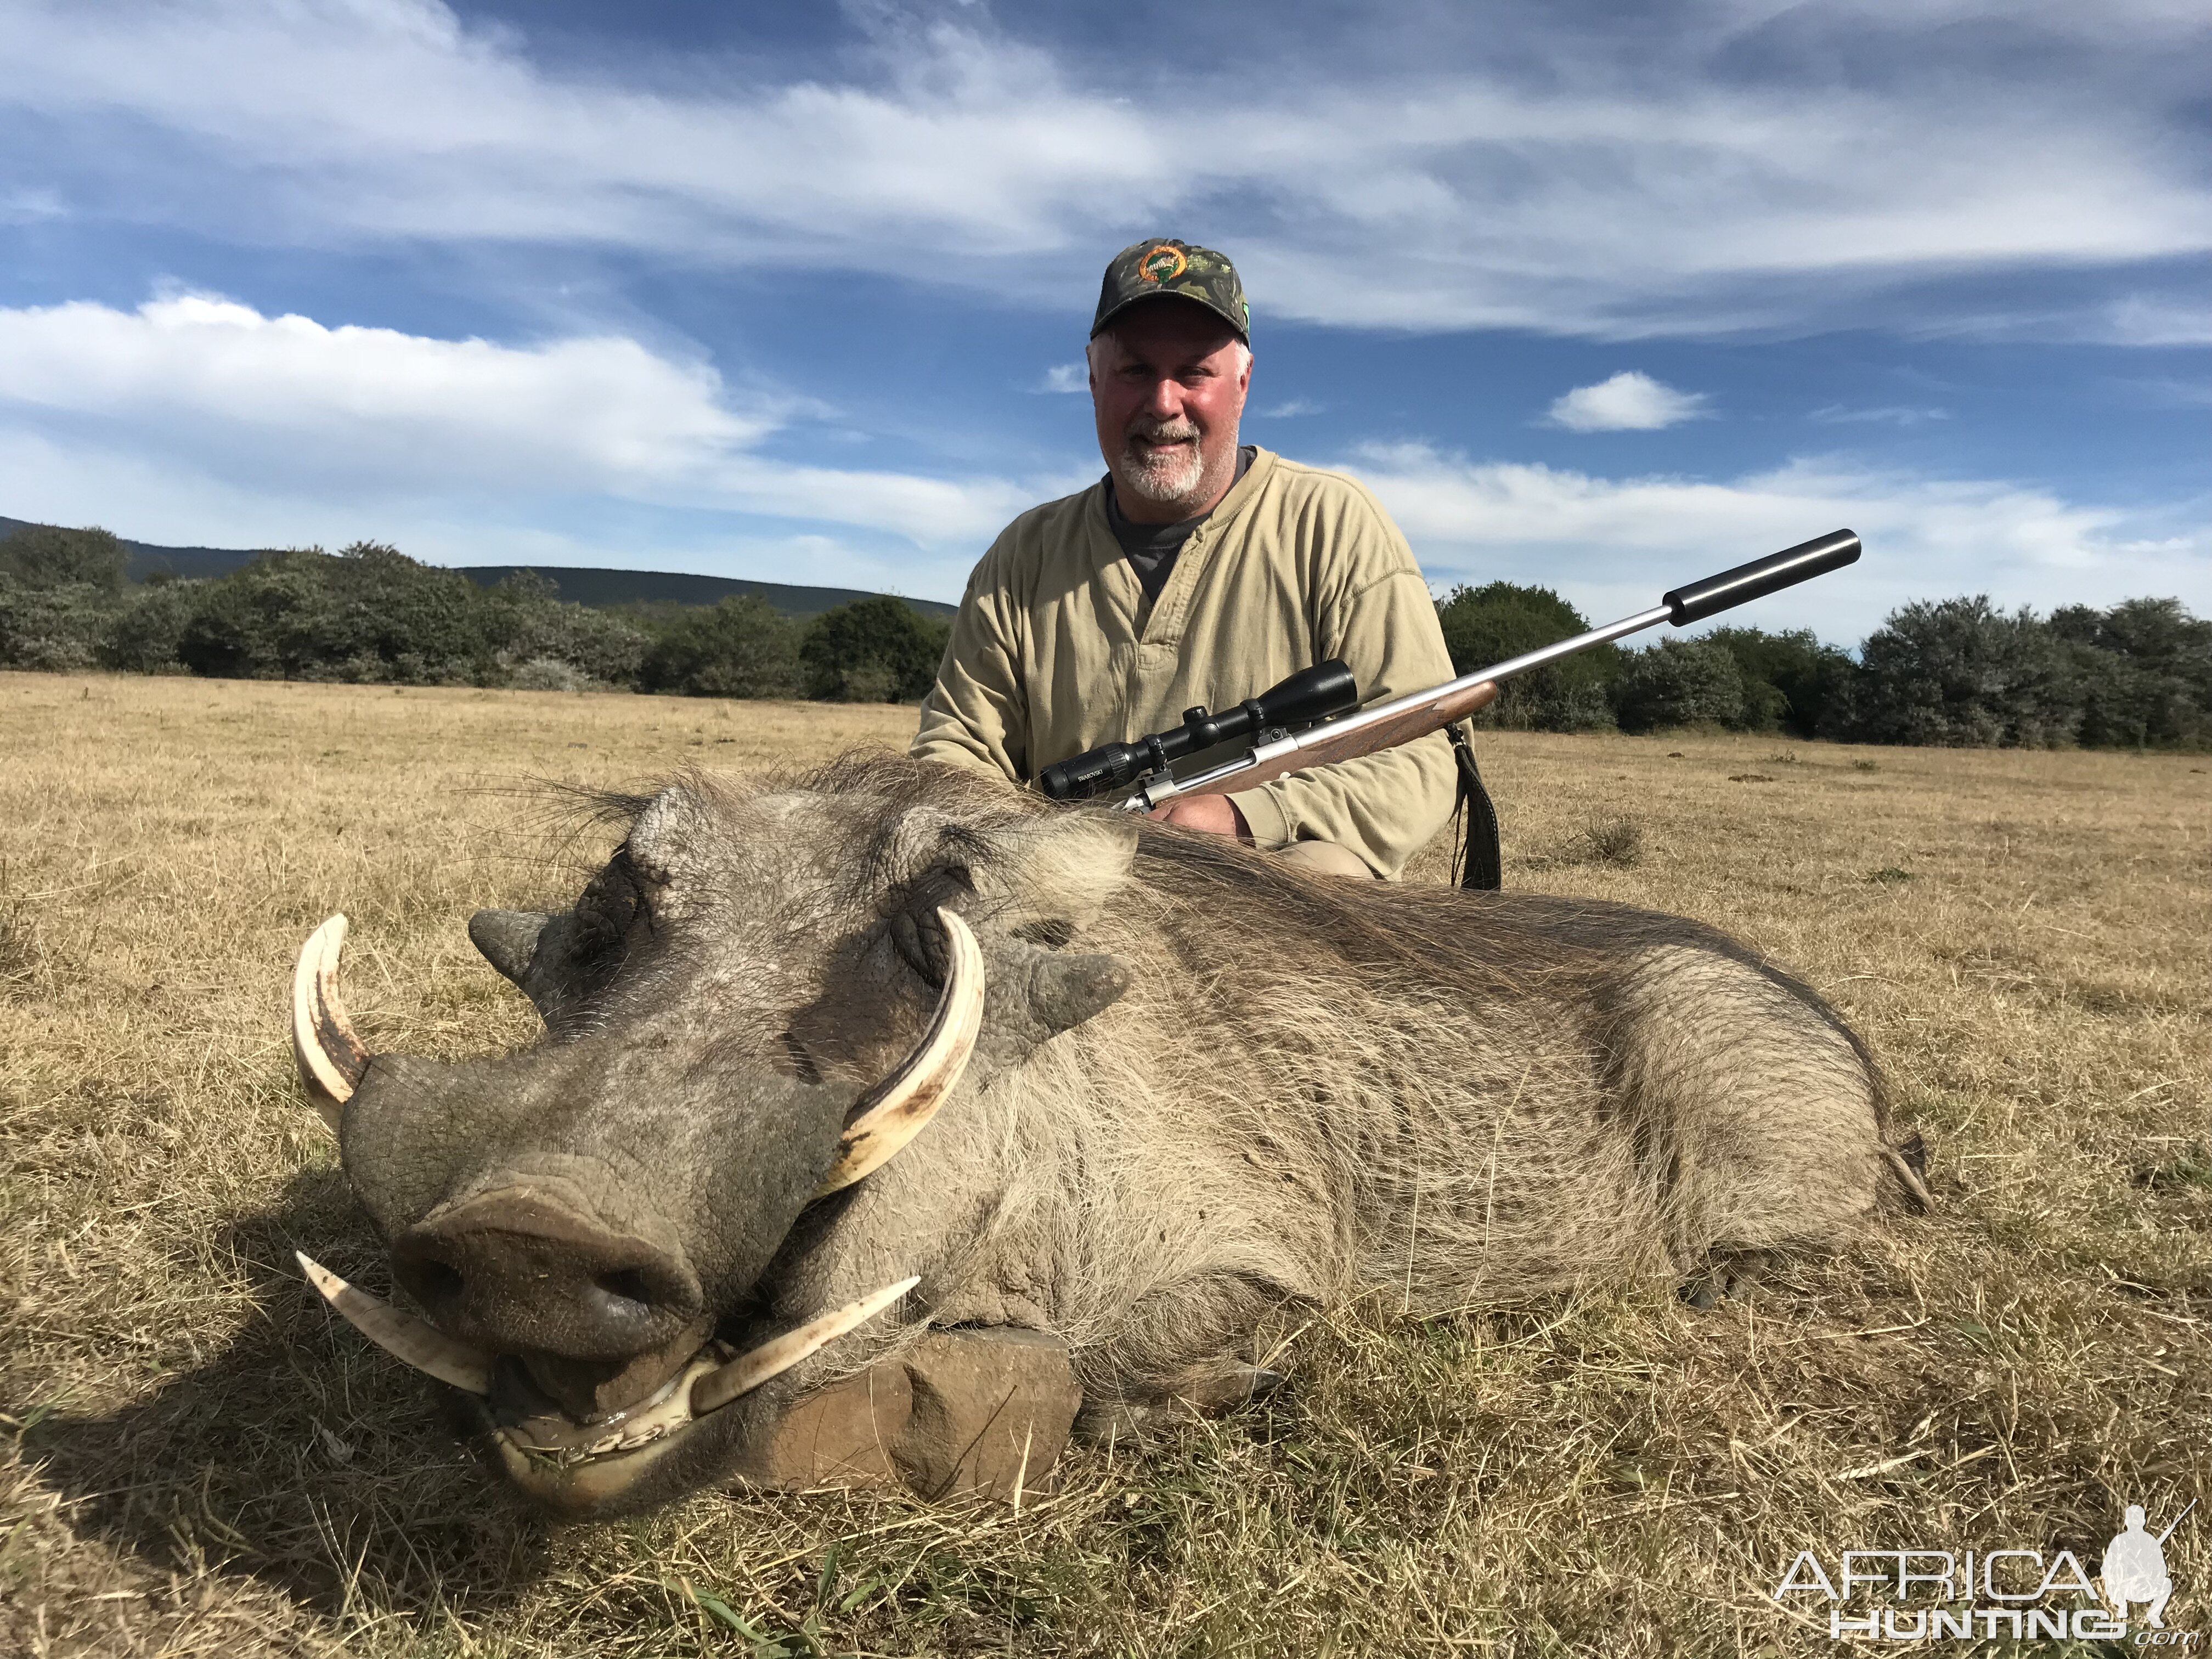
pixel 1153 549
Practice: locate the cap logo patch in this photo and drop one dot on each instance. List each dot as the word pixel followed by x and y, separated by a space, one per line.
pixel 1163 265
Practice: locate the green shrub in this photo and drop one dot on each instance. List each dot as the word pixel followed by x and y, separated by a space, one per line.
pixel 367 613
pixel 530 623
pixel 56 627
pixel 1961 673
pixel 740 647
pixel 1678 683
pixel 876 650
pixel 47 556
pixel 1487 624
pixel 2143 672
pixel 1791 682
pixel 144 630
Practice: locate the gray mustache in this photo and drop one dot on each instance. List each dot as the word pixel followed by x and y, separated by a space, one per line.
pixel 1168 432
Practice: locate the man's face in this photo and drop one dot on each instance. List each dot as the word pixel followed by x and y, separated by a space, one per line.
pixel 1167 384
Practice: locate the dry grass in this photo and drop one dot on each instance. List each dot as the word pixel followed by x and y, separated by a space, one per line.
pixel 196 1462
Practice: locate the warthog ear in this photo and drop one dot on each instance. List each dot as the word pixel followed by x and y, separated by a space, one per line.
pixel 1036 994
pixel 509 938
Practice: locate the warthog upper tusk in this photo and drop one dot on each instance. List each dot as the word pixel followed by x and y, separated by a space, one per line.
pixel 401 1335
pixel 331 1058
pixel 894 1111
pixel 778 1354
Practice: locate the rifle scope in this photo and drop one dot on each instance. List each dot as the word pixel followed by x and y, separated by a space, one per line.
pixel 1311 695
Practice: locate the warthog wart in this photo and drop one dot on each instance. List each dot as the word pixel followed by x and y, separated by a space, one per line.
pixel 835 1062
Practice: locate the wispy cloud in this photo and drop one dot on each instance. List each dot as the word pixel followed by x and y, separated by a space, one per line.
pixel 1629 402
pixel 1290 409
pixel 1886 415
pixel 1708 178
pixel 1065 377
pixel 201 388
pixel 2143 321
pixel 1613 544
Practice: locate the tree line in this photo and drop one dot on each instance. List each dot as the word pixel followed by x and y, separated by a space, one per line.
pixel 369 614
pixel 1952 671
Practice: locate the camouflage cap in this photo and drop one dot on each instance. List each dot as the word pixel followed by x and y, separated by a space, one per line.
pixel 1146 271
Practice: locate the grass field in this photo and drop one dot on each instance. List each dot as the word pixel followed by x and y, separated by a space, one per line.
pixel 198 1461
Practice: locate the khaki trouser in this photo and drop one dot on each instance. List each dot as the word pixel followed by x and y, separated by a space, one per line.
pixel 1324 858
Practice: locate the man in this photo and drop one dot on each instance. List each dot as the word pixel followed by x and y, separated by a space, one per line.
pixel 1197 571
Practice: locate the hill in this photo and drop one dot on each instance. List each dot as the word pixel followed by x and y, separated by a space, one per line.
pixel 592 586
pixel 584 585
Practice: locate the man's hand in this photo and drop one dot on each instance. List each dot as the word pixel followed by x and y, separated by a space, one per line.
pixel 1215 814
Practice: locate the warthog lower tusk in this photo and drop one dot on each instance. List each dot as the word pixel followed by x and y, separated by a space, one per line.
pixel 893 1112
pixel 331 1058
pixel 402 1336
pixel 778 1354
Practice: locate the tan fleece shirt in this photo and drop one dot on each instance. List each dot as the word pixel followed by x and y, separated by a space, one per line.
pixel 1056 650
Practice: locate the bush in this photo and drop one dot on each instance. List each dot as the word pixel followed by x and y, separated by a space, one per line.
pixel 878 650
pixel 533 624
pixel 143 630
pixel 1678 683
pixel 1962 673
pixel 1487 624
pixel 368 613
pixel 56 627
pixel 2143 670
pixel 740 647
pixel 1791 682
pixel 46 555
pixel 550 674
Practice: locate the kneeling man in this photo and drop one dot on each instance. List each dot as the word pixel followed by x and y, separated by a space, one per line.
pixel 1197 571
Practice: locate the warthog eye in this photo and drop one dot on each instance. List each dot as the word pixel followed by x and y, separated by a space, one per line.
pixel 802 1063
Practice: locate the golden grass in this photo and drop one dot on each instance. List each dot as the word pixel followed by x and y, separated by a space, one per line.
pixel 198 1462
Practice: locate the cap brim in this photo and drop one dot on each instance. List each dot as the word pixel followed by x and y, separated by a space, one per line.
pixel 1135 299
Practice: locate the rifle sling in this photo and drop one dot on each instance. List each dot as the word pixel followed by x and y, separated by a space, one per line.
pixel 1482 860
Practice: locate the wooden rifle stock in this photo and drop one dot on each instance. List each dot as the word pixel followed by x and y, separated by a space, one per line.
pixel 1325 746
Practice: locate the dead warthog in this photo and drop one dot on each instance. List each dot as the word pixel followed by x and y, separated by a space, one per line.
pixel 1170 1091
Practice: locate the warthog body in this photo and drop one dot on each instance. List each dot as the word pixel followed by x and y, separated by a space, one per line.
pixel 1204 1091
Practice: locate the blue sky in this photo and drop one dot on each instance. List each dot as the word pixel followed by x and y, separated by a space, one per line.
pixel 1597 296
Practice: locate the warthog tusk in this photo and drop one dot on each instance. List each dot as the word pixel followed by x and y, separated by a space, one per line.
pixel 331 1058
pixel 778 1354
pixel 893 1112
pixel 402 1336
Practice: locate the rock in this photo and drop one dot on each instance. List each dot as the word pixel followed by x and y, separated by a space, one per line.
pixel 973 1410
pixel 991 1411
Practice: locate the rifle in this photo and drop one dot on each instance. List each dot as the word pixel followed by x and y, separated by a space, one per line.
pixel 1306 720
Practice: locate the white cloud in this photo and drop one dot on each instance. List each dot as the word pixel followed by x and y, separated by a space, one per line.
pixel 1291 409
pixel 1066 377
pixel 1629 402
pixel 1613 546
pixel 1885 414
pixel 116 416
pixel 2142 320
pixel 1679 191
pixel 195 419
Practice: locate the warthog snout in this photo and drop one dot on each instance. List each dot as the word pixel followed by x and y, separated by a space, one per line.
pixel 518 1270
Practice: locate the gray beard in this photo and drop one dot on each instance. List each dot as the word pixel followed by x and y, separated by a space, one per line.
pixel 1161 479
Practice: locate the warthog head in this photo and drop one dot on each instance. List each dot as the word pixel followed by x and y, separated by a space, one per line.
pixel 762 996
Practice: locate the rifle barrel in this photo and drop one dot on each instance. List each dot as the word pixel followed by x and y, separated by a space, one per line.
pixel 1431 709
pixel 2176 1522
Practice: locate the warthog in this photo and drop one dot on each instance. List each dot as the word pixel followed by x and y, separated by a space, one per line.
pixel 1169 1090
